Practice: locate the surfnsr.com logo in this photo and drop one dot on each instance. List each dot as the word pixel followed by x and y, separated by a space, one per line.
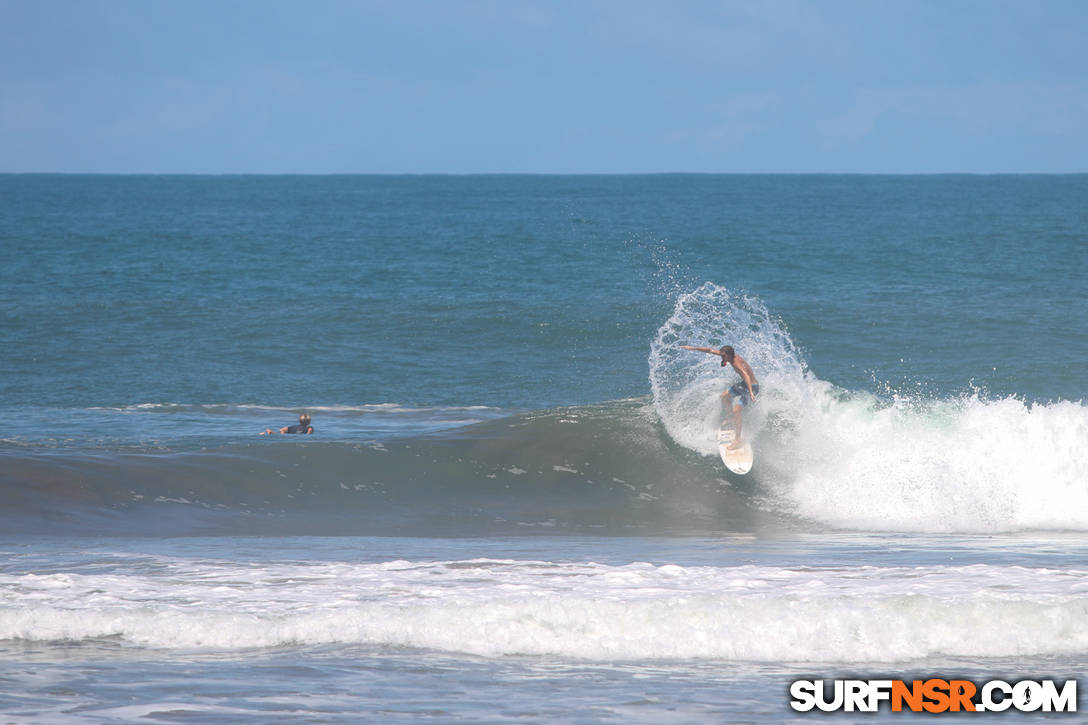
pixel 933 695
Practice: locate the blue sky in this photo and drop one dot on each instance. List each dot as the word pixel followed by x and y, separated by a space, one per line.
pixel 475 86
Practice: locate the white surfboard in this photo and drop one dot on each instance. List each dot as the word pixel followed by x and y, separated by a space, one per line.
pixel 738 460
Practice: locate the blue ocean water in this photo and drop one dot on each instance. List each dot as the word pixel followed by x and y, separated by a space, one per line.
pixel 513 489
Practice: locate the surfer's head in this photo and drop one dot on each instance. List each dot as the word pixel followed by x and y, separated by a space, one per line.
pixel 304 419
pixel 727 354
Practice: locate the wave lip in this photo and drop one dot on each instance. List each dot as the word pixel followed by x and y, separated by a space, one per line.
pixel 588 611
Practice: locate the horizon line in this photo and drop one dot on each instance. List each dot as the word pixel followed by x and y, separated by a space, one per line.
pixel 540 173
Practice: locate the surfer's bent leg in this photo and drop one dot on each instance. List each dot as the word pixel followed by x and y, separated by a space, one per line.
pixel 737 422
pixel 736 398
pixel 727 404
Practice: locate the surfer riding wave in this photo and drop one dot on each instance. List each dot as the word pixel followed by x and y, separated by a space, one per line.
pixel 739 395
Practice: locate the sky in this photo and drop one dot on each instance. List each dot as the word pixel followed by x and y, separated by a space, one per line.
pixel 538 86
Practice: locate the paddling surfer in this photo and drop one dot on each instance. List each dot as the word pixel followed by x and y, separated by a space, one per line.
pixel 740 394
pixel 303 427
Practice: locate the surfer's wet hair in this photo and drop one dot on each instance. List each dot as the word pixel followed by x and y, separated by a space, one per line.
pixel 727 352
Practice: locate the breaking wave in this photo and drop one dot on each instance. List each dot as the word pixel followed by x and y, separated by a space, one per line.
pixel 826 458
pixel 853 460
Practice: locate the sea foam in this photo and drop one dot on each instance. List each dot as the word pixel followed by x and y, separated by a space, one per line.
pixel 590 611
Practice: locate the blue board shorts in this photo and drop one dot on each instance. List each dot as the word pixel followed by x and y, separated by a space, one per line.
pixel 740 393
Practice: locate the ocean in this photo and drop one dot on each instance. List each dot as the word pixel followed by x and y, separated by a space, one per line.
pixel 511 508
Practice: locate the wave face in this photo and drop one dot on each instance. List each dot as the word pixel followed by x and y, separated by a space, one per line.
pixel 826 458
pixel 593 469
pixel 853 460
pixel 493 607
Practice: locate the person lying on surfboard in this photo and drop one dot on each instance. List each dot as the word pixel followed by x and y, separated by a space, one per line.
pixel 740 394
pixel 303 427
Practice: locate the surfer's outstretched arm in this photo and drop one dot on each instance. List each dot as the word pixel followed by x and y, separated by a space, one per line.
pixel 710 350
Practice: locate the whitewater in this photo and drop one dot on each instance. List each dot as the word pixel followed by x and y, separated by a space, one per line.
pixel 581 610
